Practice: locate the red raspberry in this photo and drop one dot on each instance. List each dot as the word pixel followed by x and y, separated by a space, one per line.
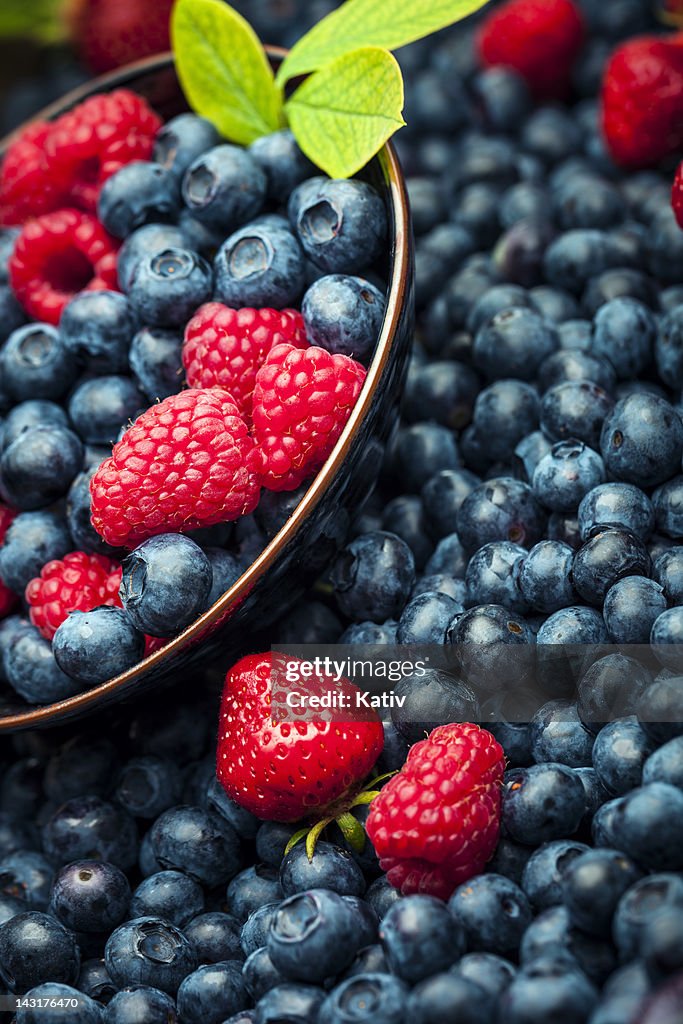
pixel 109 33
pixel 186 462
pixel 540 39
pixel 302 401
pixel 642 100
pixel 677 195
pixel 6 516
pixel 27 188
pixel 225 347
pixel 58 255
pixel 77 582
pixel 97 138
pixel 436 823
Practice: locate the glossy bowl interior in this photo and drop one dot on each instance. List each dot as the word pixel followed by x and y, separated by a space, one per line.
pixel 318 526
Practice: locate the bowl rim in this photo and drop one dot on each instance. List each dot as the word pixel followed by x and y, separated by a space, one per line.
pixel 397 295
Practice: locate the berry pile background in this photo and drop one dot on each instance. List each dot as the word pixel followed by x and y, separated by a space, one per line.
pixel 533 491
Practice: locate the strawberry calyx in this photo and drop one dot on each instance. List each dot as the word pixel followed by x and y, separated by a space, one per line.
pixel 340 814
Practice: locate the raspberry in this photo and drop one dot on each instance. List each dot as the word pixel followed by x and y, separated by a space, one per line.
pixel 677 195
pixel 435 824
pixel 6 517
pixel 642 100
pixel 540 39
pixel 225 347
pixel 186 462
pixel 27 188
pixel 58 255
pixel 97 138
pixel 77 582
pixel 109 33
pixel 302 400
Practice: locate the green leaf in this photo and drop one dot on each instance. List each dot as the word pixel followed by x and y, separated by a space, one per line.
pixel 43 20
pixel 386 23
pixel 344 113
pixel 224 71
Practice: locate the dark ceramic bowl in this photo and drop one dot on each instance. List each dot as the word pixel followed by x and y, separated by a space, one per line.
pixel 310 537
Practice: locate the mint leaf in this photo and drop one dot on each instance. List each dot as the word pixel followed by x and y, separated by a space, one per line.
pixel 224 71
pixel 386 23
pixel 344 113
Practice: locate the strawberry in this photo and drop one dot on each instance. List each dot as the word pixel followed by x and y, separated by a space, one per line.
pixel 436 823
pixel 281 770
pixel 642 100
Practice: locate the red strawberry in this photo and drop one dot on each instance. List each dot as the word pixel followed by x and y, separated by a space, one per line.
pixel 540 39
pixel 109 33
pixel 225 347
pixel 284 771
pixel 436 823
pixel 302 400
pixel 642 100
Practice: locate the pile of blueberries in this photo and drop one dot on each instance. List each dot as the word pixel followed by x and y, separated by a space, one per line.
pixel 532 495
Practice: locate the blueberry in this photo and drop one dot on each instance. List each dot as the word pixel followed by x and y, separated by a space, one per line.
pixel 141 1003
pixel 610 555
pixel 501 97
pixel 514 344
pixel 331 867
pixel 165 585
pixel 432 697
pixel 90 896
pixel 545 871
pixel 493 912
pixel 568 472
pixel 482 636
pixel 26 875
pixel 436 253
pixel 421 451
pixel 224 187
pixel 647 824
pixel 94 981
pixel 87 827
pixel 544 576
pixel 663 248
pixel 668 348
pixel 442 496
pixel 620 751
pixel 147 786
pixel 543 802
pixel 381 896
pixel 584 201
pixel 496 299
pixel 296 1003
pixel 666 501
pixel 344 315
pixel 251 889
pixel 573 625
pixel 181 140
pixel 575 336
pixel 557 734
pixel 427 204
pixel 665 764
pixel 426 618
pixel 271 839
pixel 631 607
pixel 492 576
pixel 168 286
pixel 642 440
pixel 100 407
pixel 202 845
pixel 146 241
pixel 92 647
pixel 444 392
pixel 31 668
pixel 78 512
pixel 370 633
pixel 285 166
pixel 170 895
pixel 576 256
pixel 373 576
pixel 67 1005
pixel 504 413
pixel 260 265
pixel 156 363
pixel 139 193
pixel 575 365
pixel 660 707
pixel 257 928
pixel 211 992
pixel 528 453
pixel 500 509
pixel 341 224
pixel 215 937
pixel 448 993
pixel 148 951
pixel 617 504
pixel 312 936
pixel 32 413
pixel 559 993
pixel 440 583
pixel 420 937
pixel 35 948
pixel 592 886
pixel 667 629
pixel 36 363
pixel 369 960
pixel 611 688
pixel 575 410
pixel 550 943
pixel 38 467
pixel 641 903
